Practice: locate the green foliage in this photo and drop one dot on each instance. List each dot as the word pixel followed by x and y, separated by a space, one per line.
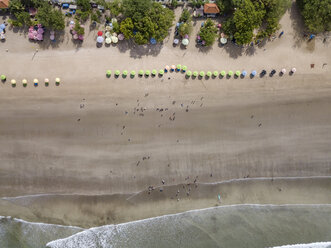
pixel 185 28
pixel 208 32
pixel 174 3
pixel 78 28
pixel 225 6
pixel 95 17
pixel 23 18
pixel 197 3
pixel 84 4
pixel 127 28
pixel 115 7
pixel 15 23
pixel 116 27
pixel 149 19
pixel 250 14
pixel 82 15
pixel 136 9
pixel 50 17
pixel 316 14
pixel 15 6
pixel 185 16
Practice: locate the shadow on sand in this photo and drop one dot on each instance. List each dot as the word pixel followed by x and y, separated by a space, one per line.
pixel 138 51
pixel 297 25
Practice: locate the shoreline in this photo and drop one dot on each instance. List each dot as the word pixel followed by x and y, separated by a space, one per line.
pixel 97 210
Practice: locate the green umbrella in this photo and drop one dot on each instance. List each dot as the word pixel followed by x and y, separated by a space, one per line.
pixel 154 72
pixel 238 73
pixel 188 73
pixel 3 77
pixel 108 73
pixel 195 74
pixel 184 68
pixel 117 72
pixel 133 73
pixel 230 73
pixel 125 73
pixel 147 73
pixel 202 74
pixel 209 73
pixel 179 67
pixel 223 73
pixel 161 72
pixel 215 73
pixel 141 72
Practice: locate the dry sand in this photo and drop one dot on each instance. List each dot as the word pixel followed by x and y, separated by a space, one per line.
pixel 76 138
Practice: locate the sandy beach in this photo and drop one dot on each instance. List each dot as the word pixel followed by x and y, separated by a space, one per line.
pixel 104 140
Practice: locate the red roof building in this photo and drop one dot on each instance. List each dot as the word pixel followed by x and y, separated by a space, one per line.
pixel 4 4
pixel 211 9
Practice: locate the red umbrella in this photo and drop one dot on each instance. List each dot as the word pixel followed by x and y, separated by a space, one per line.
pixel 100 33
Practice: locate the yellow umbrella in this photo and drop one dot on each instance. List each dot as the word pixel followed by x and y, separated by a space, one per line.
pixel 57 80
pixel 24 82
pixel 13 82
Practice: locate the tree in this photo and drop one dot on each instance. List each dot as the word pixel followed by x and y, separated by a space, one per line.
pixel 23 18
pixel 316 14
pixel 225 6
pixel 115 7
pixel 149 20
pixel 50 18
pixel 136 9
pixel 126 28
pixel 78 28
pixel 185 16
pixel 185 29
pixel 15 6
pixel 197 3
pixel 174 3
pixel 84 4
pixel 208 33
pixel 247 16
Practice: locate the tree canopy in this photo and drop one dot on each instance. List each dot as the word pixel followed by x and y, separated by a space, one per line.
pixel 50 17
pixel 250 15
pixel 316 14
pixel 149 20
pixel 208 32
pixel 186 19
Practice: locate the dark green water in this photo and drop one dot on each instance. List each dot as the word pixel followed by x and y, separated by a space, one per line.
pixel 230 226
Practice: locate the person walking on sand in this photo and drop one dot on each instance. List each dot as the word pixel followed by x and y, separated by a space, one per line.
pixel 281 34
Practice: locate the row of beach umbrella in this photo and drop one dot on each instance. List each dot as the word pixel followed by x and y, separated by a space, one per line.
pixel 25 81
pixel 236 73
pixel 183 69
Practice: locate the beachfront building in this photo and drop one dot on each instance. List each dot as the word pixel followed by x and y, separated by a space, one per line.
pixel 4 4
pixel 211 9
pixel 60 2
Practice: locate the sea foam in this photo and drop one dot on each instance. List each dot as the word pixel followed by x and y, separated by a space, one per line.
pixel 311 245
pixel 229 226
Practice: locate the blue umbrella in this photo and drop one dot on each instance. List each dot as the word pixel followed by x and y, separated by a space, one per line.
pixel 253 73
pixel 177 24
pixel 2 26
pixel 152 41
pixel 244 73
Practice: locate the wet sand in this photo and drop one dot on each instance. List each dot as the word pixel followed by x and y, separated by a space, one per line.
pixel 96 210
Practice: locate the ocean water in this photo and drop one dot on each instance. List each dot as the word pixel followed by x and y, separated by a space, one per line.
pixel 16 233
pixel 229 226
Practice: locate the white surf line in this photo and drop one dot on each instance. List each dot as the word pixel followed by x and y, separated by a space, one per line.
pixel 308 245
pixel 202 210
pixel 39 223
pixel 170 185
